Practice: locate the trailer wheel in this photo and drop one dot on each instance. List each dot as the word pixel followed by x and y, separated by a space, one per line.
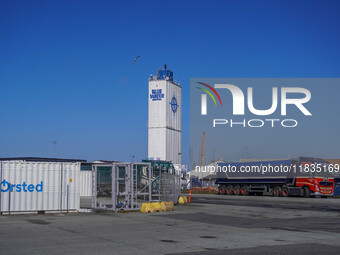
pixel 306 192
pixel 222 190
pixel 229 190
pixel 244 190
pixel 284 192
pixel 237 190
pixel 276 191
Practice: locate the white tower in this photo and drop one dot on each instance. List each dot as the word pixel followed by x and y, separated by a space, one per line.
pixel 165 118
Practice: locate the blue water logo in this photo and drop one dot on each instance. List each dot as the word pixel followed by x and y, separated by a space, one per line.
pixel 174 104
pixel 24 187
pixel 156 94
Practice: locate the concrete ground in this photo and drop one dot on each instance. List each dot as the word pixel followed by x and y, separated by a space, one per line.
pixel 212 224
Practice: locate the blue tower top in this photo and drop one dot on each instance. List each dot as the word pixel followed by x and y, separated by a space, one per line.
pixel 165 74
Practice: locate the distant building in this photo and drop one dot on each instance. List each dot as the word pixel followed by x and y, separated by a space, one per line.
pixel 205 171
pixel 262 159
pixel 39 159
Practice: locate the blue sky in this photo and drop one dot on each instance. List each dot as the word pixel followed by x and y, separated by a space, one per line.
pixel 66 72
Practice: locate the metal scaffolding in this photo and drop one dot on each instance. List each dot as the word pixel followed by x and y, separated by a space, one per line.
pixel 125 186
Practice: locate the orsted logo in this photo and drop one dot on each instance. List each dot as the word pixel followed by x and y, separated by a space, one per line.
pixel 239 105
pixel 24 187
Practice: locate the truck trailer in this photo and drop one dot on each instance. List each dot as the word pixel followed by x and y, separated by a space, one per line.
pixel 304 176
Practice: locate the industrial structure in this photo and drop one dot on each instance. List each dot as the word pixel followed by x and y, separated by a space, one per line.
pixel 126 185
pixel 52 184
pixel 58 185
pixel 164 118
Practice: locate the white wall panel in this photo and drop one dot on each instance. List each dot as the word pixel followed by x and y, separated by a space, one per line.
pixel 86 183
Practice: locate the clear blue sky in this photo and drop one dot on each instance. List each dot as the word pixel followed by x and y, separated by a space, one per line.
pixel 66 72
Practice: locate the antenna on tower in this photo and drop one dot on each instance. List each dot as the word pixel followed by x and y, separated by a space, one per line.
pixel 165 67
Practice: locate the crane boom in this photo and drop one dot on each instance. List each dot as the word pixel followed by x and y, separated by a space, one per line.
pixel 202 158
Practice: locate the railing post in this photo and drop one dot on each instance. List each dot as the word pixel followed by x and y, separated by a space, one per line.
pixel 9 199
pixel 61 187
pixel 67 198
pixel 114 186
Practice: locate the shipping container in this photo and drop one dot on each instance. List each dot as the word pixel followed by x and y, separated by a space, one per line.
pixel 39 186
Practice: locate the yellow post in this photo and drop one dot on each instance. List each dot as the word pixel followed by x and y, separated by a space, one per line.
pixel 181 201
pixel 163 207
pixel 145 208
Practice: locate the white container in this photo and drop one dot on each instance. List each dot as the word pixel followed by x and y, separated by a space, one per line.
pixel 86 183
pixel 39 186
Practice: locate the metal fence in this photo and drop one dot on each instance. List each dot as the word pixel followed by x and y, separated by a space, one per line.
pixel 125 186
pixel 168 187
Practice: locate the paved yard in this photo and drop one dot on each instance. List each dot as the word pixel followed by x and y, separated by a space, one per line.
pixel 210 225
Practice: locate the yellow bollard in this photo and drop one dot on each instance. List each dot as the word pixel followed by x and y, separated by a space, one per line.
pixel 169 206
pixel 146 208
pixel 156 206
pixel 181 201
pixel 163 207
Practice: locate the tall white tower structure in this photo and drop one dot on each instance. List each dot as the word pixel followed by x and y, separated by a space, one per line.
pixel 165 118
